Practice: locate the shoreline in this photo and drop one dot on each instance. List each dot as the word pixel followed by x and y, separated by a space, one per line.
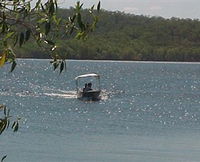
pixel 127 61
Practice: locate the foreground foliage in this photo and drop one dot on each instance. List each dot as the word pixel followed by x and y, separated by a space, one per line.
pixel 21 22
pixel 5 122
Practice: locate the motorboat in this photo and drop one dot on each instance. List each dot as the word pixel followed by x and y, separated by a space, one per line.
pixel 88 87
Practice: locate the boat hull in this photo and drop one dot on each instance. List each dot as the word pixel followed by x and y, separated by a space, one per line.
pixel 89 95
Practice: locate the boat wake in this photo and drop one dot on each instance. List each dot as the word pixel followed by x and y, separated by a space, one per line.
pixel 105 95
pixel 28 93
pixel 65 94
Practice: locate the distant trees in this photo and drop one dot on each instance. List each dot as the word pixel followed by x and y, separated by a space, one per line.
pixel 118 36
pixel 121 36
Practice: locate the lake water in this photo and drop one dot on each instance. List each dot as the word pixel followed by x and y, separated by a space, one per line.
pixel 149 112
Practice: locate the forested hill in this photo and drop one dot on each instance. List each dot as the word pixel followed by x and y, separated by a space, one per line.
pixel 121 36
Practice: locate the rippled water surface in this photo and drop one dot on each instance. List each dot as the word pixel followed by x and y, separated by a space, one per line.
pixel 149 112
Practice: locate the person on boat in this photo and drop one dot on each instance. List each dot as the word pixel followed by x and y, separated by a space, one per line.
pixel 85 88
pixel 89 87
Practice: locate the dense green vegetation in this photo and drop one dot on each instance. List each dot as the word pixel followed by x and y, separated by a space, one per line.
pixel 121 36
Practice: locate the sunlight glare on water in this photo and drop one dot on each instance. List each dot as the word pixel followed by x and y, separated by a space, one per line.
pixel 148 112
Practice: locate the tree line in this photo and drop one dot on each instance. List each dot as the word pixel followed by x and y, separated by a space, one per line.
pixel 120 36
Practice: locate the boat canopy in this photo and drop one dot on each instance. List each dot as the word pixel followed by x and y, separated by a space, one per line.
pixel 87 75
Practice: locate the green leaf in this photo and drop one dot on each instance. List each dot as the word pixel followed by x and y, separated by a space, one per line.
pixel 16 39
pixel 28 34
pixel 43 9
pixel 15 126
pixel 10 34
pixel 3 125
pixel 28 6
pixel 47 27
pixel 96 19
pixel 78 6
pixel 80 23
pixel 2 107
pixel 61 66
pixel 55 65
pixel 91 9
pixel 81 35
pixel 53 48
pixel 42 20
pixel 49 42
pixel 3 158
pixel 5 110
pixel 99 6
pixel 37 4
pixel 56 20
pixel 3 59
pixel 4 28
pixel 81 5
pixel 21 39
pixel 51 8
pixel 56 4
pixel 73 18
pixel 13 66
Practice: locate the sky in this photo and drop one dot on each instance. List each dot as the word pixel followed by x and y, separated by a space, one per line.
pixel 163 8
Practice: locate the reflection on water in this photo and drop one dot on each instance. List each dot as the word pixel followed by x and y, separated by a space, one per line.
pixel 148 112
